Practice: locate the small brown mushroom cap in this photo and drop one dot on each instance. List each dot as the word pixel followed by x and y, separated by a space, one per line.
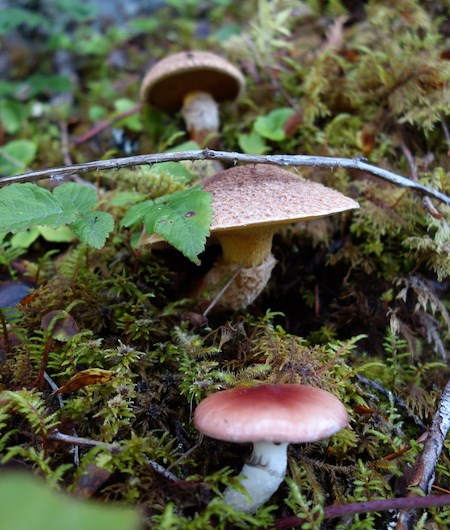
pixel 271 413
pixel 263 194
pixel 170 79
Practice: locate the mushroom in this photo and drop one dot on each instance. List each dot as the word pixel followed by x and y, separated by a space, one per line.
pixel 271 417
pixel 249 205
pixel 195 82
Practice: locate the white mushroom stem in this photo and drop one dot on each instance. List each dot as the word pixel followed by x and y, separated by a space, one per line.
pixel 261 477
pixel 201 115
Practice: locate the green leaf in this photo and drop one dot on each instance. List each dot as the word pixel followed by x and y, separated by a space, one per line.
pixel 47 84
pixel 13 17
pixel 133 122
pixel 252 144
pixel 25 205
pixel 76 197
pixel 93 228
pixel 25 238
pixel 123 198
pixel 182 219
pixel 12 115
pixel 16 155
pixel 27 503
pixel 136 213
pixel 62 234
pixel 272 125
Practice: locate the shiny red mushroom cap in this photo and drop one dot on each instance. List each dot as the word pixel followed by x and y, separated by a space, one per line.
pixel 271 413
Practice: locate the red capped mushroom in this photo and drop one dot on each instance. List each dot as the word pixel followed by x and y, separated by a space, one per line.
pixel 271 417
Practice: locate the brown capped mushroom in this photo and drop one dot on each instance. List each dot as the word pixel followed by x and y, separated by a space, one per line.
pixel 271 417
pixel 250 203
pixel 195 82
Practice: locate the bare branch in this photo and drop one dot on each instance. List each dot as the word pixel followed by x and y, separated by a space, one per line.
pixel 424 470
pixel 382 505
pixel 76 440
pixel 280 160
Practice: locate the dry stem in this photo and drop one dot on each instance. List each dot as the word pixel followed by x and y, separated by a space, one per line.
pixel 280 160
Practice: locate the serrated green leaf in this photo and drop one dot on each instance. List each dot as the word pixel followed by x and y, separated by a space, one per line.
pixel 252 144
pixel 27 503
pixel 93 228
pixel 26 205
pixel 75 196
pixel 136 213
pixel 18 154
pixel 272 125
pixel 183 220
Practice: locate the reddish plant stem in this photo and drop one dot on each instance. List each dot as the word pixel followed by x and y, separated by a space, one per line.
pixel 39 381
pixel 5 331
pixel 106 125
pixel 341 510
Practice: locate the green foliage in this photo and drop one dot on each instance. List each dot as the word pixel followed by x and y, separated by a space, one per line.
pixel 27 205
pixel 182 219
pixel 25 502
pixel 272 125
pixel 354 295
pixel 16 156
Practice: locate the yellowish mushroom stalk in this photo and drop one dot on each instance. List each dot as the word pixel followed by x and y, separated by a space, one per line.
pixel 246 254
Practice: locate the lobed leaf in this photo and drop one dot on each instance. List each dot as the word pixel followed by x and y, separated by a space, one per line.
pixel 26 205
pixel 93 228
pixel 182 219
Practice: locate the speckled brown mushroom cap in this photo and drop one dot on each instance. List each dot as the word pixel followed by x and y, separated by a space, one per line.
pixel 170 79
pixel 271 413
pixel 262 194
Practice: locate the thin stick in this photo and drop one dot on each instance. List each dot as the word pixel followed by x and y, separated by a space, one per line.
pixel 220 293
pixel 397 400
pixel 345 510
pixel 280 160
pixel 76 440
pixel 423 474
pixel 106 124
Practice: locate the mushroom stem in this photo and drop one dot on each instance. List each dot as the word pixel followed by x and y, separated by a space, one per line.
pixel 201 115
pixel 262 476
pixel 246 247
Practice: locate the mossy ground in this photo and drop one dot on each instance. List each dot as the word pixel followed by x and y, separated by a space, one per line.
pixel 356 298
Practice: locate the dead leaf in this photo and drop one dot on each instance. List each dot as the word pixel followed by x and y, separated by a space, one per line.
pixel 61 325
pixel 91 481
pixel 91 376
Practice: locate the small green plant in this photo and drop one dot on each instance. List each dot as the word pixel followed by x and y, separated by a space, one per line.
pixel 23 206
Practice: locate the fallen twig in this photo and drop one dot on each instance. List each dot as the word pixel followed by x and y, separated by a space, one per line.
pixel 398 401
pixel 382 505
pixel 422 475
pixel 106 124
pixel 281 160
pixel 76 440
